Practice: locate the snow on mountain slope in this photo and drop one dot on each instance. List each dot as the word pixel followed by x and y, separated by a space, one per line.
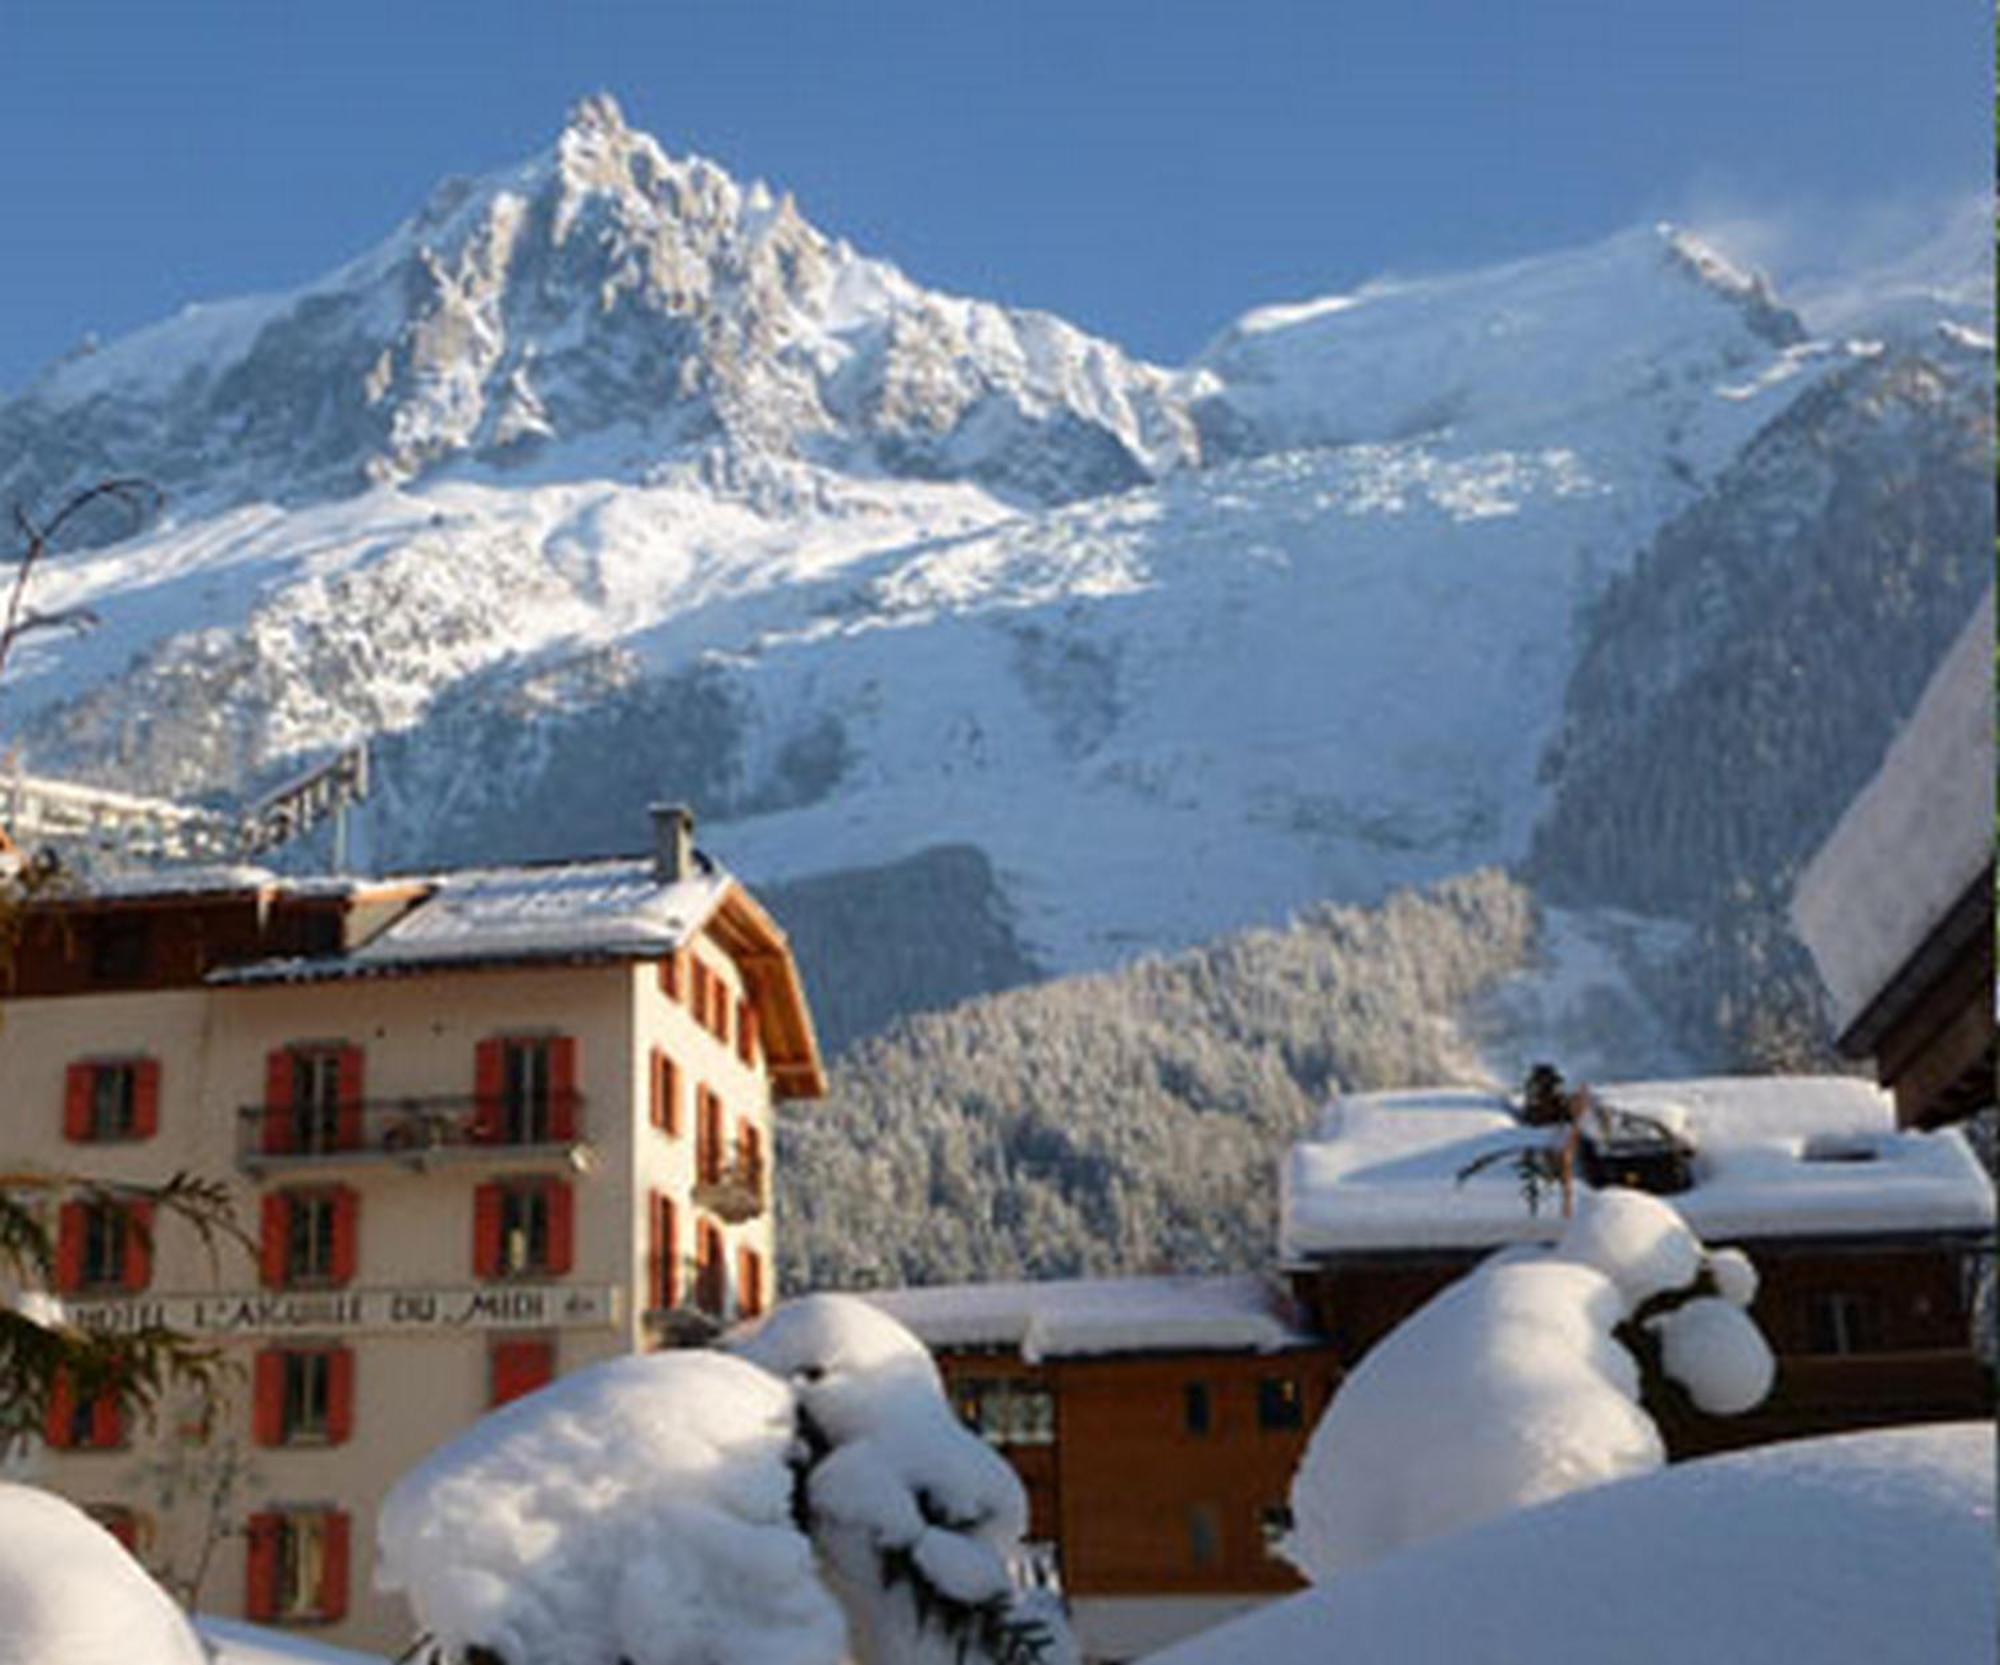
pixel 606 478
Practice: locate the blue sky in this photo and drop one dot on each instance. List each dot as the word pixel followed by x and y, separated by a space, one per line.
pixel 1148 170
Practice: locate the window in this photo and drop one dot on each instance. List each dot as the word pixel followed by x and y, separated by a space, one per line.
pixel 672 975
pixel 662 1253
pixel 1204 1528
pixel 707 1136
pixel 312 1100
pixel 709 1269
pixel 310 1237
pixel 1838 1322
pixel 73 1423
pixel 104 1246
pixel 746 1032
pixel 1274 1526
pixel 522 1228
pixel 518 1366
pixel 525 1090
pixel 297 1570
pixel 1279 1404
pixel 750 1155
pixel 1197 1413
pixel 303 1396
pixel 698 988
pixel 666 1095
pixel 106 1102
pixel 749 1283
pixel 1007 1410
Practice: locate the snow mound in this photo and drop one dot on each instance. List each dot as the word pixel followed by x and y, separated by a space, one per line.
pixel 236 1643
pixel 1865 1549
pixel 71 1595
pixel 1511 1388
pixel 640 1509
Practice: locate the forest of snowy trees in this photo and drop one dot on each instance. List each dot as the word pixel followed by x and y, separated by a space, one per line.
pixel 1130 1120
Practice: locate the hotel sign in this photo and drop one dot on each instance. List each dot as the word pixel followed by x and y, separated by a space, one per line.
pixel 532 1306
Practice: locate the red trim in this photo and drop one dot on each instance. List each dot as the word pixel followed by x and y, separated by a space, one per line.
pixel 562 1088
pixel 59 1417
pixel 663 1242
pixel 519 1367
pixel 267 1398
pixel 489 1066
pixel 69 1248
pixel 709 1268
pixel 145 1098
pixel 78 1081
pixel 350 1077
pixel 138 1246
pixel 562 1228
pixel 277 1117
pixel 260 1574
pixel 333 1567
pixel 749 1282
pixel 276 1222
pixel 486 1231
pixel 107 1422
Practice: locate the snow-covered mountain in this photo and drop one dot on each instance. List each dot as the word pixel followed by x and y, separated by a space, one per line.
pixel 606 478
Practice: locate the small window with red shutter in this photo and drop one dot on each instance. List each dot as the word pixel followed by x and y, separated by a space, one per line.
pixel 746 1032
pixel 313 1099
pixel 523 1228
pixel 666 1095
pixel 518 1365
pixel 672 977
pixel 104 1246
pixel 71 1422
pixel 111 1101
pixel 303 1396
pixel 710 1269
pixel 708 1153
pixel 749 1283
pixel 525 1090
pixel 310 1237
pixel 297 1568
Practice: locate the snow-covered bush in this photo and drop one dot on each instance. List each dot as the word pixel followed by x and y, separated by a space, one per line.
pixel 1516 1384
pixel 807 1500
pixel 70 1595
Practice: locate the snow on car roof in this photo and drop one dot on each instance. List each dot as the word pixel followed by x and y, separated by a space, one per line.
pixel 1072 1317
pixel 1773 1156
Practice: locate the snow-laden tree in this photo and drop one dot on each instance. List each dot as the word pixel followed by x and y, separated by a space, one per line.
pixel 1523 1381
pixel 807 1499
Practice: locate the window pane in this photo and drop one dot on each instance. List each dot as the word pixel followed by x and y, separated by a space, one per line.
pixel 1278 1403
pixel 1195 1408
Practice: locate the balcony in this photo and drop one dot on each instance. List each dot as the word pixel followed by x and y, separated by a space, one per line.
pixel 732 1191
pixel 416 1133
pixel 695 1318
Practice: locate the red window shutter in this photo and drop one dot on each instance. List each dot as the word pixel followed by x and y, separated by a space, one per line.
pixel 520 1367
pixel 656 1078
pixel 670 976
pixel 749 1283
pixel 562 1087
pixel 145 1098
pixel 138 1246
pixel 346 1233
pixel 670 1254
pixel 562 1227
pixel 260 1575
pixel 339 1395
pixel 267 1398
pixel 277 1117
pixel 489 1077
pixel 107 1421
pixel 122 1524
pixel 352 1089
pixel 746 1033
pixel 698 987
pixel 77 1084
pixel 69 1247
pixel 486 1231
pixel 670 1096
pixel 709 1271
pixel 59 1419
pixel 276 1223
pixel 333 1567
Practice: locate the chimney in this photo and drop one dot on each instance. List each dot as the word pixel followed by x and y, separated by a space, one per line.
pixel 673 842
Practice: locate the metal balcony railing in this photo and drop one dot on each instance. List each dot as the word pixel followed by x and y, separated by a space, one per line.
pixel 695 1315
pixel 418 1131
pixel 733 1191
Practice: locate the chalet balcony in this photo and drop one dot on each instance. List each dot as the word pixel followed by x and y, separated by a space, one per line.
pixel 695 1317
pixel 732 1191
pixel 410 1132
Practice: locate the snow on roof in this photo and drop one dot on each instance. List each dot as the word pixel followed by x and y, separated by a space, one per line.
pixel 1917 835
pixel 558 911
pixel 1862 1549
pixel 1775 1156
pixel 1099 1315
